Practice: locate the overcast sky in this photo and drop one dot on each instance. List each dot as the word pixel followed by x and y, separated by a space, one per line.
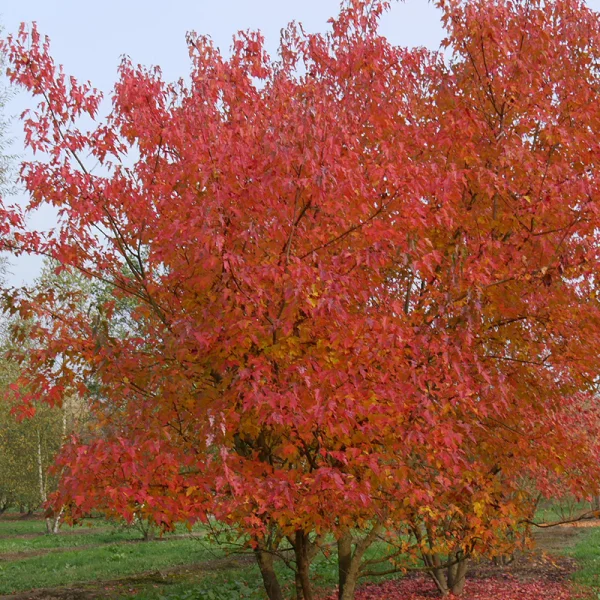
pixel 89 39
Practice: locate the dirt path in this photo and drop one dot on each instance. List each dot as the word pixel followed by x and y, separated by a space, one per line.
pixel 557 539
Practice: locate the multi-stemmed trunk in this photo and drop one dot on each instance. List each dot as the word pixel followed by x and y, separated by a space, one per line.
pixel 448 578
pixel 304 550
pixel 53 521
pixel 350 558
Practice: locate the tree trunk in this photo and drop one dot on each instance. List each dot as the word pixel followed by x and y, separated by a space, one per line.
pixel 4 504
pixel 269 577
pixel 448 580
pixel 456 582
pixel 41 482
pixel 56 524
pixel 301 550
pixel 299 591
pixel 351 582
pixel 439 575
pixel 53 520
pixel 353 560
pixel 344 561
pixel 53 517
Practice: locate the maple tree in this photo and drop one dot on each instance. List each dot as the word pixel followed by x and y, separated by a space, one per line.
pixel 353 288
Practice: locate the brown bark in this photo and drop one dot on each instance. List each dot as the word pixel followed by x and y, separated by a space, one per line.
pixel 352 569
pixel 437 573
pixel 344 560
pixel 450 579
pixel 299 591
pixel 353 561
pixel 269 577
pixel 457 581
pixel 351 582
pixel 301 550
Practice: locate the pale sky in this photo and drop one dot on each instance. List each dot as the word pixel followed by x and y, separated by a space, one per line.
pixel 88 39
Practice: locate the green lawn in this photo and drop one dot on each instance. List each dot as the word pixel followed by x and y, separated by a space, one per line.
pixel 31 544
pixel 100 552
pixel 587 554
pixel 553 512
pixel 92 552
pixel 242 582
pixel 226 584
pixel 21 536
pixel 100 563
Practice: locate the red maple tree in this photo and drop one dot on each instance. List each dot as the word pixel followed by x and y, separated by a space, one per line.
pixel 358 283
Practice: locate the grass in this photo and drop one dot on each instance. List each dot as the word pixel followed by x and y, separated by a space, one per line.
pixel 587 554
pixel 99 563
pixel 228 584
pixel 243 582
pixel 552 511
pixel 35 540
pixel 96 551
pixel 13 527
pixel 43 542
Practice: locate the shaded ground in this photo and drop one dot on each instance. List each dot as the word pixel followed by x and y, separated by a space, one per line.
pixel 420 588
pixel 539 575
pixel 527 568
pixel 545 562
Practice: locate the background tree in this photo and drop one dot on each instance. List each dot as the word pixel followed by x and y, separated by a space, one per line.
pixel 30 446
pixel 28 451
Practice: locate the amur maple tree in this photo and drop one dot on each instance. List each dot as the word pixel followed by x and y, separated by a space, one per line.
pixel 352 289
